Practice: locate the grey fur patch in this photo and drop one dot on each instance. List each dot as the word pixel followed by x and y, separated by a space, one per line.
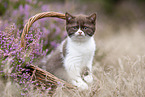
pixel 64 49
pixel 54 64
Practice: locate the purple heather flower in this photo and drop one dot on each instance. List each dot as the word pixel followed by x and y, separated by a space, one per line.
pixel 21 9
pixel 32 81
pixel 43 88
pixel 26 11
pixel 22 94
pixel 58 83
pixel 49 88
pixel 54 44
pixel 1 71
pixel 58 30
pixel 20 82
pixel 45 8
pixel 30 1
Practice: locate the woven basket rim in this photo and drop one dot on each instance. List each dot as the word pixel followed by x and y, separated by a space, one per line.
pixel 35 18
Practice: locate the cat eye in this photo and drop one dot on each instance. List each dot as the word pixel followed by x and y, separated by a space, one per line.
pixel 75 28
pixel 85 27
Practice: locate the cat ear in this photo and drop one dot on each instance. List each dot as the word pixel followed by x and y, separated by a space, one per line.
pixel 92 17
pixel 68 16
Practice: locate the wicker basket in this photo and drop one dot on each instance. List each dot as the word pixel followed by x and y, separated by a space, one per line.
pixel 39 74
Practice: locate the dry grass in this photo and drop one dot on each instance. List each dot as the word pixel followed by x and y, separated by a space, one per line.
pixel 9 89
pixel 119 67
pixel 122 69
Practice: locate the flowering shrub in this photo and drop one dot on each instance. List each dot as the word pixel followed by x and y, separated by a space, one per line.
pixel 43 37
pixel 12 53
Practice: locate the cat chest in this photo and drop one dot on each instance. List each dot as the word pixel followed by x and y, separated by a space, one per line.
pixel 80 53
pixel 84 49
pixel 78 57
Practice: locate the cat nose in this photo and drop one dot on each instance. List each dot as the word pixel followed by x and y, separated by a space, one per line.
pixel 80 33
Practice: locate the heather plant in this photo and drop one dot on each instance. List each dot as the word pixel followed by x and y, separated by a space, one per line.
pixel 11 53
pixel 52 28
pixel 14 58
pixel 42 38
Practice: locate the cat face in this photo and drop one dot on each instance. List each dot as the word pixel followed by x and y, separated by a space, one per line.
pixel 80 27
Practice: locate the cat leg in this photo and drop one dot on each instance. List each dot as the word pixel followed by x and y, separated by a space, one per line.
pixel 88 78
pixel 80 83
pixel 87 74
pixel 75 76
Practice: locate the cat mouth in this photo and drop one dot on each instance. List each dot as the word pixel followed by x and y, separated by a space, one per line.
pixel 79 35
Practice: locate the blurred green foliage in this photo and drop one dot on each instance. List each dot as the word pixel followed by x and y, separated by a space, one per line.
pixel 3 6
pixel 2 9
pixel 107 5
pixel 12 4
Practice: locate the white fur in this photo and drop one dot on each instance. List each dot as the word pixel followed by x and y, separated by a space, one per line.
pixel 88 78
pixel 77 33
pixel 80 53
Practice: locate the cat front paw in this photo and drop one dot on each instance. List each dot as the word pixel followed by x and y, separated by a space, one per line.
pixel 80 84
pixel 88 79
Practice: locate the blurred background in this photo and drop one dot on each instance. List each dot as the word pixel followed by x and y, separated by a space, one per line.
pixel 119 12
pixel 112 16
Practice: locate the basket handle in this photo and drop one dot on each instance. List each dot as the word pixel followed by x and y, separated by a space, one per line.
pixel 35 18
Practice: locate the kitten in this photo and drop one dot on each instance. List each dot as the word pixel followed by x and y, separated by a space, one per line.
pixel 72 60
